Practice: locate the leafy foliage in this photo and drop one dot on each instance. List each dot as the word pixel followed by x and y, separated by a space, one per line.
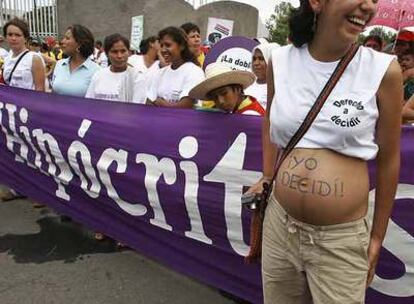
pixel 278 24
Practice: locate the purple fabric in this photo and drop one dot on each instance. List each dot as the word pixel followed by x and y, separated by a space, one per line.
pixel 226 44
pixel 225 153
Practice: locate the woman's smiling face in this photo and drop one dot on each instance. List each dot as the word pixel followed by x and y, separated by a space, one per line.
pixel 345 18
pixel 170 50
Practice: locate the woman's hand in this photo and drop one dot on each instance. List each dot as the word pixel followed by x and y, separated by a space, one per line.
pixel 258 186
pixel 160 102
pixel 373 256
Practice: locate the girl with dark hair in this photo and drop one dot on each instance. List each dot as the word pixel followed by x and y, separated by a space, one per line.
pixel 171 85
pixel 318 246
pixel 261 55
pixel 73 74
pixel 374 41
pixel 22 68
pixel 194 41
pixel 118 81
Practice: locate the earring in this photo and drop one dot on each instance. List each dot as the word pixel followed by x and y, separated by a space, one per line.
pixel 78 49
pixel 315 21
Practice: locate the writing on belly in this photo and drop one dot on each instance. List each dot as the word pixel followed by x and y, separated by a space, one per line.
pixel 307 185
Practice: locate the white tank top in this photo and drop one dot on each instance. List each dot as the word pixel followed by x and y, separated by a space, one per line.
pixel 22 76
pixel 346 123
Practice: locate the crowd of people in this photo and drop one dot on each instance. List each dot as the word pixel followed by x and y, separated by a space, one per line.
pixel 78 65
pixel 311 238
pixel 163 73
pixel 403 48
pixel 69 65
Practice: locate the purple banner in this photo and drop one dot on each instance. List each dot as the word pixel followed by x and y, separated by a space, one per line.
pixel 168 183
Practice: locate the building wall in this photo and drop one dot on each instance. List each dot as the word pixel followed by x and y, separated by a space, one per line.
pixel 245 16
pixel 105 17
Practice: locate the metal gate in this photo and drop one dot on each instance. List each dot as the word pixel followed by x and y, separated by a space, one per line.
pixel 198 3
pixel 40 14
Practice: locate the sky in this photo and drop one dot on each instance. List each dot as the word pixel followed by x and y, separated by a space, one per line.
pixel 266 7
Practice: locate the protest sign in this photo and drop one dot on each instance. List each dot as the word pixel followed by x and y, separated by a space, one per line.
pixel 218 29
pixel 168 183
pixel 137 31
pixel 236 52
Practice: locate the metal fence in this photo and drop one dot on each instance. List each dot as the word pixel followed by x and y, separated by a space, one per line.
pixel 40 14
pixel 197 3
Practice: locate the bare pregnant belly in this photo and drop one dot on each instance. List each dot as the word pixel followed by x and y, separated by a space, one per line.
pixel 322 187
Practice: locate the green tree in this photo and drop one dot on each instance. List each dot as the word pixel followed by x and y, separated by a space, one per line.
pixel 278 24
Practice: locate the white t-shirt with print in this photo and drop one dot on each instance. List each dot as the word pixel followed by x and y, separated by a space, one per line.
pixel 173 85
pixel 258 91
pixel 106 85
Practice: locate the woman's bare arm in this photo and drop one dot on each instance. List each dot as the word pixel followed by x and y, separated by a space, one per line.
pixel 39 74
pixel 184 103
pixel 269 149
pixel 390 98
pixel 408 110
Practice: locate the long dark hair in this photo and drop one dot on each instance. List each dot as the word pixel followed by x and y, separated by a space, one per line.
pixel 84 37
pixel 145 44
pixel 114 38
pixel 301 24
pixel 179 37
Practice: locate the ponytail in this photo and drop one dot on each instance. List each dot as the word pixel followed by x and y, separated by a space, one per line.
pixel 301 24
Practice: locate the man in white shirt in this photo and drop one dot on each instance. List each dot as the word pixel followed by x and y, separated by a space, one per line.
pixel 146 64
pixel 149 49
pixel 99 55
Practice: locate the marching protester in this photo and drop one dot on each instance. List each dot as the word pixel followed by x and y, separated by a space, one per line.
pixel 22 69
pixel 47 48
pixel 261 56
pixel 149 49
pixel 407 65
pixel 99 55
pixel 147 65
pixel 194 41
pixel 3 52
pixel 118 81
pixel 374 41
pixel 73 75
pixel 49 57
pixel 54 49
pixel 405 42
pixel 171 85
pixel 317 244
pixel 37 45
pixel 225 87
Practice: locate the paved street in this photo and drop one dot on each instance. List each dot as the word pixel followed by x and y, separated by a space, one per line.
pixel 45 261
